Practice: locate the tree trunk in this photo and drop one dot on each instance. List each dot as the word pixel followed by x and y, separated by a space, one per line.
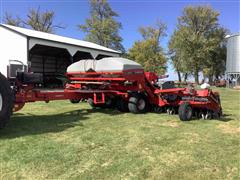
pixel 196 76
pixel 185 77
pixel 179 76
pixel 210 79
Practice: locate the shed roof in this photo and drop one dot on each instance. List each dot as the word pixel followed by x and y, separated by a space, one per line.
pixel 57 38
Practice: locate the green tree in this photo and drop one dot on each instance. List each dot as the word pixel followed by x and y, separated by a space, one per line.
pixel 36 20
pixel 101 27
pixel 148 51
pixel 177 57
pixel 193 42
pixel 215 64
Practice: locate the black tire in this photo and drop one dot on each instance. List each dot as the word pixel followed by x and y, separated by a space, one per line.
pixel 109 103
pixel 185 112
pixel 220 113
pixel 158 109
pixel 74 101
pixel 91 103
pixel 138 104
pixel 122 105
pixel 6 101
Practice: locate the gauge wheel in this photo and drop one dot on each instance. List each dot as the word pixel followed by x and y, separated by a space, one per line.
pixel 138 104
pixel 185 112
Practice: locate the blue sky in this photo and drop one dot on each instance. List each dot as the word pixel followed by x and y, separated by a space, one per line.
pixel 132 14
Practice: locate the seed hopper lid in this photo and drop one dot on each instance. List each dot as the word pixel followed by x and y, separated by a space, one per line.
pixel 110 64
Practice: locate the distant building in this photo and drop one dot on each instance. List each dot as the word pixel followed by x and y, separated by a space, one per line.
pixel 233 60
pixel 45 53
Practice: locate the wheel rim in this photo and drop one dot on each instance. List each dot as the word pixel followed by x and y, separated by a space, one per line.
pixel 1 102
pixel 108 102
pixel 189 112
pixel 141 104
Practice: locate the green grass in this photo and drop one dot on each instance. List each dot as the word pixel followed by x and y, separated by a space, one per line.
pixel 60 140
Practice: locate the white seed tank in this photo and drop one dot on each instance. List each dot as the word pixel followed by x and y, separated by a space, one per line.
pixel 110 64
pixel 233 54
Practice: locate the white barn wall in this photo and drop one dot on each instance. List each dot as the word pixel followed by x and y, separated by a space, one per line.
pixel 13 47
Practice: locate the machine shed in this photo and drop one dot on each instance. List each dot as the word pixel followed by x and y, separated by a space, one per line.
pixel 45 53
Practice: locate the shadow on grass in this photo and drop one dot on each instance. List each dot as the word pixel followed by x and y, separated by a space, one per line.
pixel 226 118
pixel 30 124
